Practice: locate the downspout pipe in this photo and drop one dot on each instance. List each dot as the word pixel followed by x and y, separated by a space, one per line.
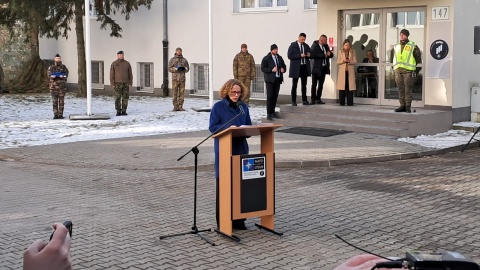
pixel 165 48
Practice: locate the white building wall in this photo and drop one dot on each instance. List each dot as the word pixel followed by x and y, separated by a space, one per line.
pixel 188 29
pixel 466 67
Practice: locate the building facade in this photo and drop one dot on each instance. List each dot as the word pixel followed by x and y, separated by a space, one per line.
pixel 443 30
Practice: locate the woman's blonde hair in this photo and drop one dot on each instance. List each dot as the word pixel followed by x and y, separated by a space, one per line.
pixel 228 85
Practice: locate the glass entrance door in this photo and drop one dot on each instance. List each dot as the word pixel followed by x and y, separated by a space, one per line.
pixel 373 33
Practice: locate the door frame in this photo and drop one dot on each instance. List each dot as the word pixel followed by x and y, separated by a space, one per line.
pixel 382 47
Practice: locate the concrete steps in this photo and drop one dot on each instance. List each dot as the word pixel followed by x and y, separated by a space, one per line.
pixel 366 119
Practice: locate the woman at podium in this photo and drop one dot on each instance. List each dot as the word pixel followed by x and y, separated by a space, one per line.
pixel 230 107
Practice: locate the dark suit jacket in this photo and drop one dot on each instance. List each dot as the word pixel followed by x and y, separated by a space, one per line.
pixel 294 54
pixel 268 64
pixel 318 56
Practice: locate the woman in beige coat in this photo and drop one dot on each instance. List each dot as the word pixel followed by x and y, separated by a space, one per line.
pixel 346 61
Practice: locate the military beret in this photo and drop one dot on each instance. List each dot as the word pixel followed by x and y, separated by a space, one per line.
pixel 57 55
pixel 243 46
pixel 120 52
pixel 178 49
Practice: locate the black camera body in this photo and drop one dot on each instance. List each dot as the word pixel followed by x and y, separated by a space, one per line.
pixel 439 260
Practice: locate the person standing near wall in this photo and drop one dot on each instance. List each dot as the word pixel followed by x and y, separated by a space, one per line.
pixel 58 74
pixel 299 53
pixel 405 59
pixel 244 69
pixel 178 66
pixel 320 55
pixel 346 73
pixel 121 78
pixel 273 68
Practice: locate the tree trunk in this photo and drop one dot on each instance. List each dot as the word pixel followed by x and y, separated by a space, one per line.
pixel 82 65
pixel 32 75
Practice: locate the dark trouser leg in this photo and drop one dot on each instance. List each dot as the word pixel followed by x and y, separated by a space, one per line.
pixel 321 80
pixel 294 89
pixel 217 198
pixel 348 93
pixel 271 101
pixel 341 97
pixel 303 78
pixel 313 90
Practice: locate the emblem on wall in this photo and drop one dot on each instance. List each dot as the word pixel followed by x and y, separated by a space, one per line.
pixel 439 49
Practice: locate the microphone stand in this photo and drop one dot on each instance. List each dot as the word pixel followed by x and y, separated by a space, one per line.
pixel 472 138
pixel 195 151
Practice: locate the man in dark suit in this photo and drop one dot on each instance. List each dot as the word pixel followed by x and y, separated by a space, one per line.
pixel 273 68
pixel 321 55
pixel 299 53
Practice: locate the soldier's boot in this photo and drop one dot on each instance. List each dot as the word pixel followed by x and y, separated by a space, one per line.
pixel 180 108
pixel 401 109
pixel 60 116
pixel 119 113
pixel 175 108
pixel 408 108
pixel 55 116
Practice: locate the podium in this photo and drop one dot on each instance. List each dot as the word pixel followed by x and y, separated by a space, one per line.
pixel 246 182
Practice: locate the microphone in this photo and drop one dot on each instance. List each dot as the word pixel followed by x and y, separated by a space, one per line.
pixel 239 104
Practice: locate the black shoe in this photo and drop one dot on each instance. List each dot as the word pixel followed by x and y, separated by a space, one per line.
pixel 55 117
pixel 401 109
pixel 269 117
pixel 408 109
pixel 60 116
pixel 305 103
pixel 119 113
pixel 124 113
pixel 294 103
pixel 275 115
pixel 319 102
pixel 312 103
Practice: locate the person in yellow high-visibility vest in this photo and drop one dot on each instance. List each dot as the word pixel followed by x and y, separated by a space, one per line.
pixel 406 56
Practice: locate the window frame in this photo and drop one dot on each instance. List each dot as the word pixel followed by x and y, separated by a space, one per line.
pixel 142 79
pixel 196 79
pixel 101 75
pixel 256 8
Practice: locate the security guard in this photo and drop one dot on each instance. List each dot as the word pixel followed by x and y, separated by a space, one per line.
pixel 405 59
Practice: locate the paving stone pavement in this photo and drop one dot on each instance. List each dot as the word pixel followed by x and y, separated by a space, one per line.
pixel 123 194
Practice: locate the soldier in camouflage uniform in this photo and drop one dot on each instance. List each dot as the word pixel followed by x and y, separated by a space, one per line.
pixel 178 66
pixel 121 78
pixel 57 74
pixel 244 69
pixel 406 56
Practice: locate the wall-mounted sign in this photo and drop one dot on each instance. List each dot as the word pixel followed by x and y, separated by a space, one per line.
pixel 439 49
pixel 440 13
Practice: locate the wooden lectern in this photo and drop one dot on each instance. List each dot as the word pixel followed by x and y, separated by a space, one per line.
pixel 257 185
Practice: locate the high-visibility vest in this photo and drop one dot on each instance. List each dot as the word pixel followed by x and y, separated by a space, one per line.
pixel 404 59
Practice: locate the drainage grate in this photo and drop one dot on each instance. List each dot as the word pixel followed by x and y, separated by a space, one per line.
pixel 319 132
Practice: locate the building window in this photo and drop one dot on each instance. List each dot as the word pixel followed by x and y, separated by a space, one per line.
pixel 97 75
pixel 262 5
pixel 200 80
pixel 146 77
pixel 257 90
pixel 405 19
pixel 93 10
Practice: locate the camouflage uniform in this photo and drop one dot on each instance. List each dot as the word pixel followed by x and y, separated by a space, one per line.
pixel 121 78
pixel 178 80
pixel 406 78
pixel 58 87
pixel 244 71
